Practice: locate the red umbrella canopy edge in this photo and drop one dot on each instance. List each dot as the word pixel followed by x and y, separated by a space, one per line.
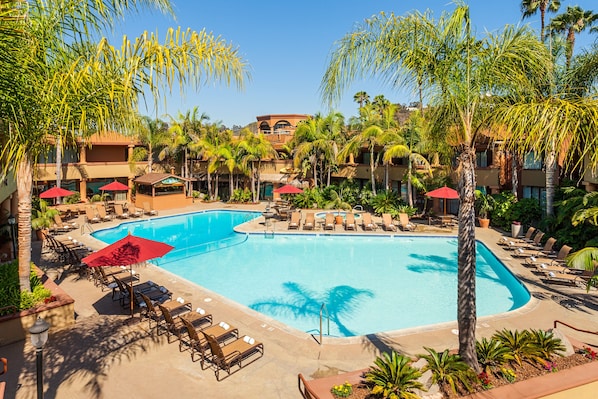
pixel 443 192
pixel 288 189
pixel 56 192
pixel 115 186
pixel 127 251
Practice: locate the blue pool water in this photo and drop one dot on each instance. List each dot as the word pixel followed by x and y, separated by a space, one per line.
pixel 369 283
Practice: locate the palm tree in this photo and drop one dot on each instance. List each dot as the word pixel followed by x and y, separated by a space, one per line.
pixel 574 20
pixel 153 133
pixel 530 7
pixel 61 83
pixel 253 149
pixel 362 98
pixel 465 67
pixel 184 130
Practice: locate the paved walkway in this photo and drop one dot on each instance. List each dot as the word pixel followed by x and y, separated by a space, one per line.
pixel 102 357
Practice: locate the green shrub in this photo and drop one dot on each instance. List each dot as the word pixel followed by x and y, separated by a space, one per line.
pixel 491 354
pixel 241 195
pixel 448 370
pixel 10 294
pixel 392 376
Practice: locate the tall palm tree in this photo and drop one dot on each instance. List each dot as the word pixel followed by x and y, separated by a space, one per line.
pixel 152 132
pixel 64 81
pixel 253 149
pixel 530 7
pixel 572 21
pixel 464 68
pixel 362 98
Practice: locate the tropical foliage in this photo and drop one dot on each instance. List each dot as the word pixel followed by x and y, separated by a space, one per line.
pixel 393 377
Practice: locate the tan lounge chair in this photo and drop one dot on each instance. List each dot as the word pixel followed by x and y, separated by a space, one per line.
pixel 505 240
pixel 564 278
pixel 234 353
pixel 536 244
pixel 91 214
pixel 559 260
pixel 329 222
pixel 350 222
pixel 387 222
pixel 199 344
pixel 148 210
pixel 310 221
pixel 133 211
pixel 103 214
pixel 295 221
pixel 366 222
pixel 120 213
pixel 404 222
pixel 546 250
pixel 59 225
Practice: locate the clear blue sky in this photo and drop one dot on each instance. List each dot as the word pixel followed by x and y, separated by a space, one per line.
pixel 287 45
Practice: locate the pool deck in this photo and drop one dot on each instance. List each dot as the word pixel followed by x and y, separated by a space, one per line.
pixel 103 357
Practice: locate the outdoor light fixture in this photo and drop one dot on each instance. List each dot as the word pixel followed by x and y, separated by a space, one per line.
pixel 39 337
pixel 12 221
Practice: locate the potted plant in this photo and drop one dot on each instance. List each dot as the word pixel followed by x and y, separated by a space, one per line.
pixel 484 204
pixel 42 218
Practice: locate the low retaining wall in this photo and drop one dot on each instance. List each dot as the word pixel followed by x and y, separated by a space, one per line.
pixel 58 313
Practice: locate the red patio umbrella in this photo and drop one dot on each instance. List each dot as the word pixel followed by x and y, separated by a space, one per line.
pixel 288 189
pixel 56 192
pixel 444 193
pixel 126 252
pixel 115 186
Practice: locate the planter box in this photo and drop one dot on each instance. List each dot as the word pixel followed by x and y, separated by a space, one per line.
pixel 59 313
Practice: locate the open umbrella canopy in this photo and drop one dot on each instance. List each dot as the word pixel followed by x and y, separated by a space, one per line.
pixel 115 186
pixel 127 251
pixel 288 189
pixel 443 192
pixel 56 192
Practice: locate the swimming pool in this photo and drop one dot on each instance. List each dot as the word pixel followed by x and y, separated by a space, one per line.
pixel 322 215
pixel 369 284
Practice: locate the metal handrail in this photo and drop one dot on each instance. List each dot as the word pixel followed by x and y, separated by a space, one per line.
pixel 327 317
pixel 574 328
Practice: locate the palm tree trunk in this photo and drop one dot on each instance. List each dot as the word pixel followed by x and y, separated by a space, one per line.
pixel 514 176
pixel 58 164
pixel 550 181
pixel 150 156
pixel 209 179
pixel 259 167
pixel 386 175
pixel 231 186
pixel 253 180
pixel 466 305
pixel 216 187
pixel 315 171
pixel 24 185
pixel 409 186
pixel 372 172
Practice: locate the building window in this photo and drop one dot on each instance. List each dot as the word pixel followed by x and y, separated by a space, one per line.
pixel 539 193
pixel 532 161
pixel 265 128
pixel 481 159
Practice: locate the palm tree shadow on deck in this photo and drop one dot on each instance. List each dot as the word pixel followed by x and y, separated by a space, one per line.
pixel 88 351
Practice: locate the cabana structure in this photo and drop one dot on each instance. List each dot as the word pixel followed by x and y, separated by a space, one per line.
pixel 161 191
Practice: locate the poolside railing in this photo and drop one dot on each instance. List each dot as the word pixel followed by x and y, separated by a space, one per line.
pixel 194 250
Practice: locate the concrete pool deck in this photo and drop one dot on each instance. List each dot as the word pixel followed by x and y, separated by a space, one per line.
pixel 101 357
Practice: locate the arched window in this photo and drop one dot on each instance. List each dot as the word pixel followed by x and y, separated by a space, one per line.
pixel 265 128
pixel 282 127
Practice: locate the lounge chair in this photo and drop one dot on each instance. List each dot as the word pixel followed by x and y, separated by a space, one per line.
pixel 329 222
pixel 558 260
pixel 59 225
pixel 404 222
pixel 366 222
pixel 120 213
pixel 295 221
pixel 133 211
pixel 565 278
pixel 504 240
pixel 546 250
pixel 103 215
pixel 91 214
pixel 387 223
pixel 148 210
pixel 350 222
pixel 536 244
pixel 174 324
pixel 234 353
pixel 310 221
pixel 199 344
pixel 150 310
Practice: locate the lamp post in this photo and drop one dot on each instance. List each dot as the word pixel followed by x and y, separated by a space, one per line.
pixel 39 337
pixel 12 221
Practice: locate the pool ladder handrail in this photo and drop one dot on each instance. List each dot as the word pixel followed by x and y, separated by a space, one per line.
pixel 327 318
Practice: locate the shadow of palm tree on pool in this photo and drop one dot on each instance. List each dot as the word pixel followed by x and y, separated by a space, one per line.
pixel 341 301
